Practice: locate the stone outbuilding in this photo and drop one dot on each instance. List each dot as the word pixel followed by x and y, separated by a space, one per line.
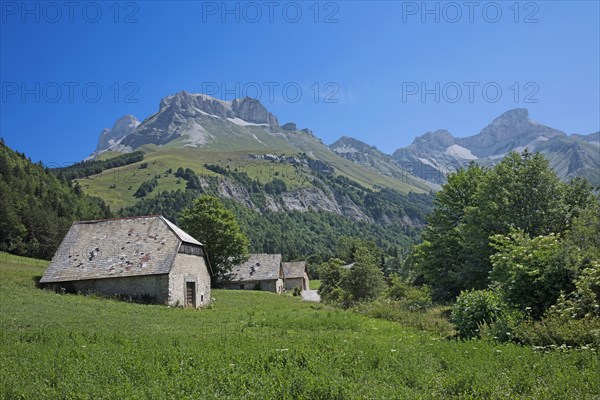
pixel 295 275
pixel 260 272
pixel 143 258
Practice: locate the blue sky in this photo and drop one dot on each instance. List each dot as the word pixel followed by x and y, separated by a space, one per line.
pixel 382 72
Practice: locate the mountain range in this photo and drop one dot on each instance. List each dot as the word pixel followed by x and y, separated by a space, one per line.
pixel 291 192
pixel 434 154
pixel 186 120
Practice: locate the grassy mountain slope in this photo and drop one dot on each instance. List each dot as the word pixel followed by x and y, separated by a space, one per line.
pixel 117 186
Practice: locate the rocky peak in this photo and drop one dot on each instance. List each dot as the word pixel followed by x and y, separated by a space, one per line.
pixel 290 126
pixel 440 139
pixel 346 143
pixel 185 103
pixel 121 128
pixel 189 104
pixel 513 124
pixel 251 110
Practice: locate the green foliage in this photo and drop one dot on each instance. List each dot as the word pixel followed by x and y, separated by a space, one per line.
pixel 584 301
pixel 531 273
pixel 431 319
pixel 167 203
pixel 37 207
pixel 475 308
pixel 555 331
pixel 521 192
pixel 146 187
pixel 410 297
pixel 364 281
pixel 211 223
pixel 276 186
pixel 349 247
pixel 585 232
pixel 297 291
pixel 258 345
pixel 330 273
pixel 88 168
pixel 300 234
pixel 440 258
pixel 574 321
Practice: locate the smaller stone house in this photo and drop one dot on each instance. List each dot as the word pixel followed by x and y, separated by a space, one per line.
pixel 140 257
pixel 260 272
pixel 295 275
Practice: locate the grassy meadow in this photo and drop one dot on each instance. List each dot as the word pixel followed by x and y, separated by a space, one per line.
pixel 314 284
pixel 253 345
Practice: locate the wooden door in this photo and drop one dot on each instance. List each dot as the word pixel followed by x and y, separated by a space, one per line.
pixel 190 294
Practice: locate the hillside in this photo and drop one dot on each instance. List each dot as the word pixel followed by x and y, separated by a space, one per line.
pixel 37 207
pixel 252 345
pixel 291 193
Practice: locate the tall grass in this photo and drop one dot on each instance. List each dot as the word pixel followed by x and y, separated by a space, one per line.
pixel 253 345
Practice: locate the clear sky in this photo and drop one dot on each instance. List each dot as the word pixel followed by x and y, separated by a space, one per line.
pixel 382 72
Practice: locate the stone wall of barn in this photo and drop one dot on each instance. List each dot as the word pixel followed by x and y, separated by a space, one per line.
pixel 275 286
pixel 150 288
pixel 291 283
pixel 189 268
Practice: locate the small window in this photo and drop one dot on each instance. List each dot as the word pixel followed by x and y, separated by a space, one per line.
pixel 201 298
pixel 242 286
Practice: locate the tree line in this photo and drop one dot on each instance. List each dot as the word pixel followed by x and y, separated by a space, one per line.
pixel 37 207
pixel 514 250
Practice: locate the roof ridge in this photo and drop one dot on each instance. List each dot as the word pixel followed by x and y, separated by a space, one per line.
pixel 117 219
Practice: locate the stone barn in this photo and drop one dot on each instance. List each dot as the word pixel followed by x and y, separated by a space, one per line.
pixel 260 272
pixel 143 258
pixel 295 275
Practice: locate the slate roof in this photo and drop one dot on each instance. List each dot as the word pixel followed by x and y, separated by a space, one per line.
pixel 295 269
pixel 117 248
pixel 259 267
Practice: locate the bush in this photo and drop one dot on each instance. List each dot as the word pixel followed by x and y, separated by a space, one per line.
pixel 503 327
pixel 297 291
pixel 432 320
pixel 558 331
pixel 584 301
pixel 410 297
pixel 475 308
pixel 531 273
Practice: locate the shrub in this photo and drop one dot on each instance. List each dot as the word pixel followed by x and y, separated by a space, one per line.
pixel 531 273
pixel 410 297
pixel 558 331
pixel 297 291
pixel 475 308
pixel 431 320
pixel 502 328
pixel 584 301
pixel 417 298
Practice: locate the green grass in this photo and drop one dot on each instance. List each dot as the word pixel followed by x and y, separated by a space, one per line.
pixel 253 345
pixel 314 284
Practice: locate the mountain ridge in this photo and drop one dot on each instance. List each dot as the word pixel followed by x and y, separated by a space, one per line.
pixel 432 155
